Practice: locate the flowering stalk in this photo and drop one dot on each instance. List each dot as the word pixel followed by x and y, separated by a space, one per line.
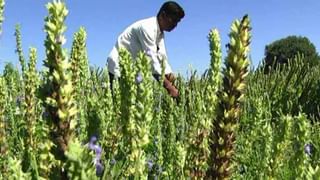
pixel 114 133
pixel 128 91
pixel 180 154
pixel 214 81
pixel 95 113
pixel 215 65
pixel 199 137
pixel 58 88
pixel 144 107
pixel 282 132
pixel 19 49
pixel 214 74
pixel 3 140
pixel 156 129
pixel 236 69
pixel 198 131
pixel 109 123
pixel 169 134
pixel 13 113
pixel 181 123
pixel 79 69
pixel 180 113
pixel 30 99
pixel 2 3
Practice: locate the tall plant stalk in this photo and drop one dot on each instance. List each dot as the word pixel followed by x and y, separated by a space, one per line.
pixel 80 76
pixel 19 49
pixel 30 101
pixel 2 3
pixel 231 95
pixel 58 87
pixel 4 149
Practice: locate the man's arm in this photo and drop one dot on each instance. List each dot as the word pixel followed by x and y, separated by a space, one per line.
pixel 172 90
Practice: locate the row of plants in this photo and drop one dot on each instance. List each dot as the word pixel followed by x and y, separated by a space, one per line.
pixel 66 121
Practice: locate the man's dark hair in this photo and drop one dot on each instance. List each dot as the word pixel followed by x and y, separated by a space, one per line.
pixel 172 9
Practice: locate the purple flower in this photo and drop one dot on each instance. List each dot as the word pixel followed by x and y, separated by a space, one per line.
pixel 19 100
pixel 98 149
pixel 93 146
pixel 149 53
pixel 45 114
pixel 93 139
pixel 308 149
pixel 139 78
pixel 113 161
pixel 150 164
pixel 99 169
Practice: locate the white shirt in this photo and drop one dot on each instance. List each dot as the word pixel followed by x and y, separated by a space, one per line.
pixel 144 36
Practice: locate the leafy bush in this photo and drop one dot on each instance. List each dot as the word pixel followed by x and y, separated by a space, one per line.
pixel 284 50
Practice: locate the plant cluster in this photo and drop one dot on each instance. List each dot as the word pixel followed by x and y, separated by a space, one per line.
pixel 69 121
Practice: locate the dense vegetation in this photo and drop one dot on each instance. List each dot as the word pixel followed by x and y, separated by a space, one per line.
pixel 64 122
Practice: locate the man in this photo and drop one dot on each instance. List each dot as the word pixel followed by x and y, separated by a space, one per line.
pixel 147 35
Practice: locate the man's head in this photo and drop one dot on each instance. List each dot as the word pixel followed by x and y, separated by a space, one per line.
pixel 169 15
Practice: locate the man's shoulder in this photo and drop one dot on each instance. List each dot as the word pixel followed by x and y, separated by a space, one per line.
pixel 147 22
pixel 146 26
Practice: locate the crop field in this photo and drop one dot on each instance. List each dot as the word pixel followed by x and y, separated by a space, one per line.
pixel 232 122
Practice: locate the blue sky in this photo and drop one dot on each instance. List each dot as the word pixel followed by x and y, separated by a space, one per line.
pixel 186 45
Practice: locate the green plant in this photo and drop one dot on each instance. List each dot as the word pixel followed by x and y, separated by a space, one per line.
pixel 231 95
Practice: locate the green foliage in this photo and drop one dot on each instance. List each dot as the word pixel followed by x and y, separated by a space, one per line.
pixel 283 50
pixel 276 124
pixel 15 170
pixel 298 82
pixel 79 162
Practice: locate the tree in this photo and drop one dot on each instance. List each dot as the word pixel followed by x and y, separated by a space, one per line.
pixel 283 50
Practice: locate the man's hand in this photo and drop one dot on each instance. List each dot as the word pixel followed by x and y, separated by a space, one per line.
pixel 172 90
pixel 170 77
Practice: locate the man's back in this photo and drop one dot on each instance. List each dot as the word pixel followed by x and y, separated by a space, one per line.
pixel 143 35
